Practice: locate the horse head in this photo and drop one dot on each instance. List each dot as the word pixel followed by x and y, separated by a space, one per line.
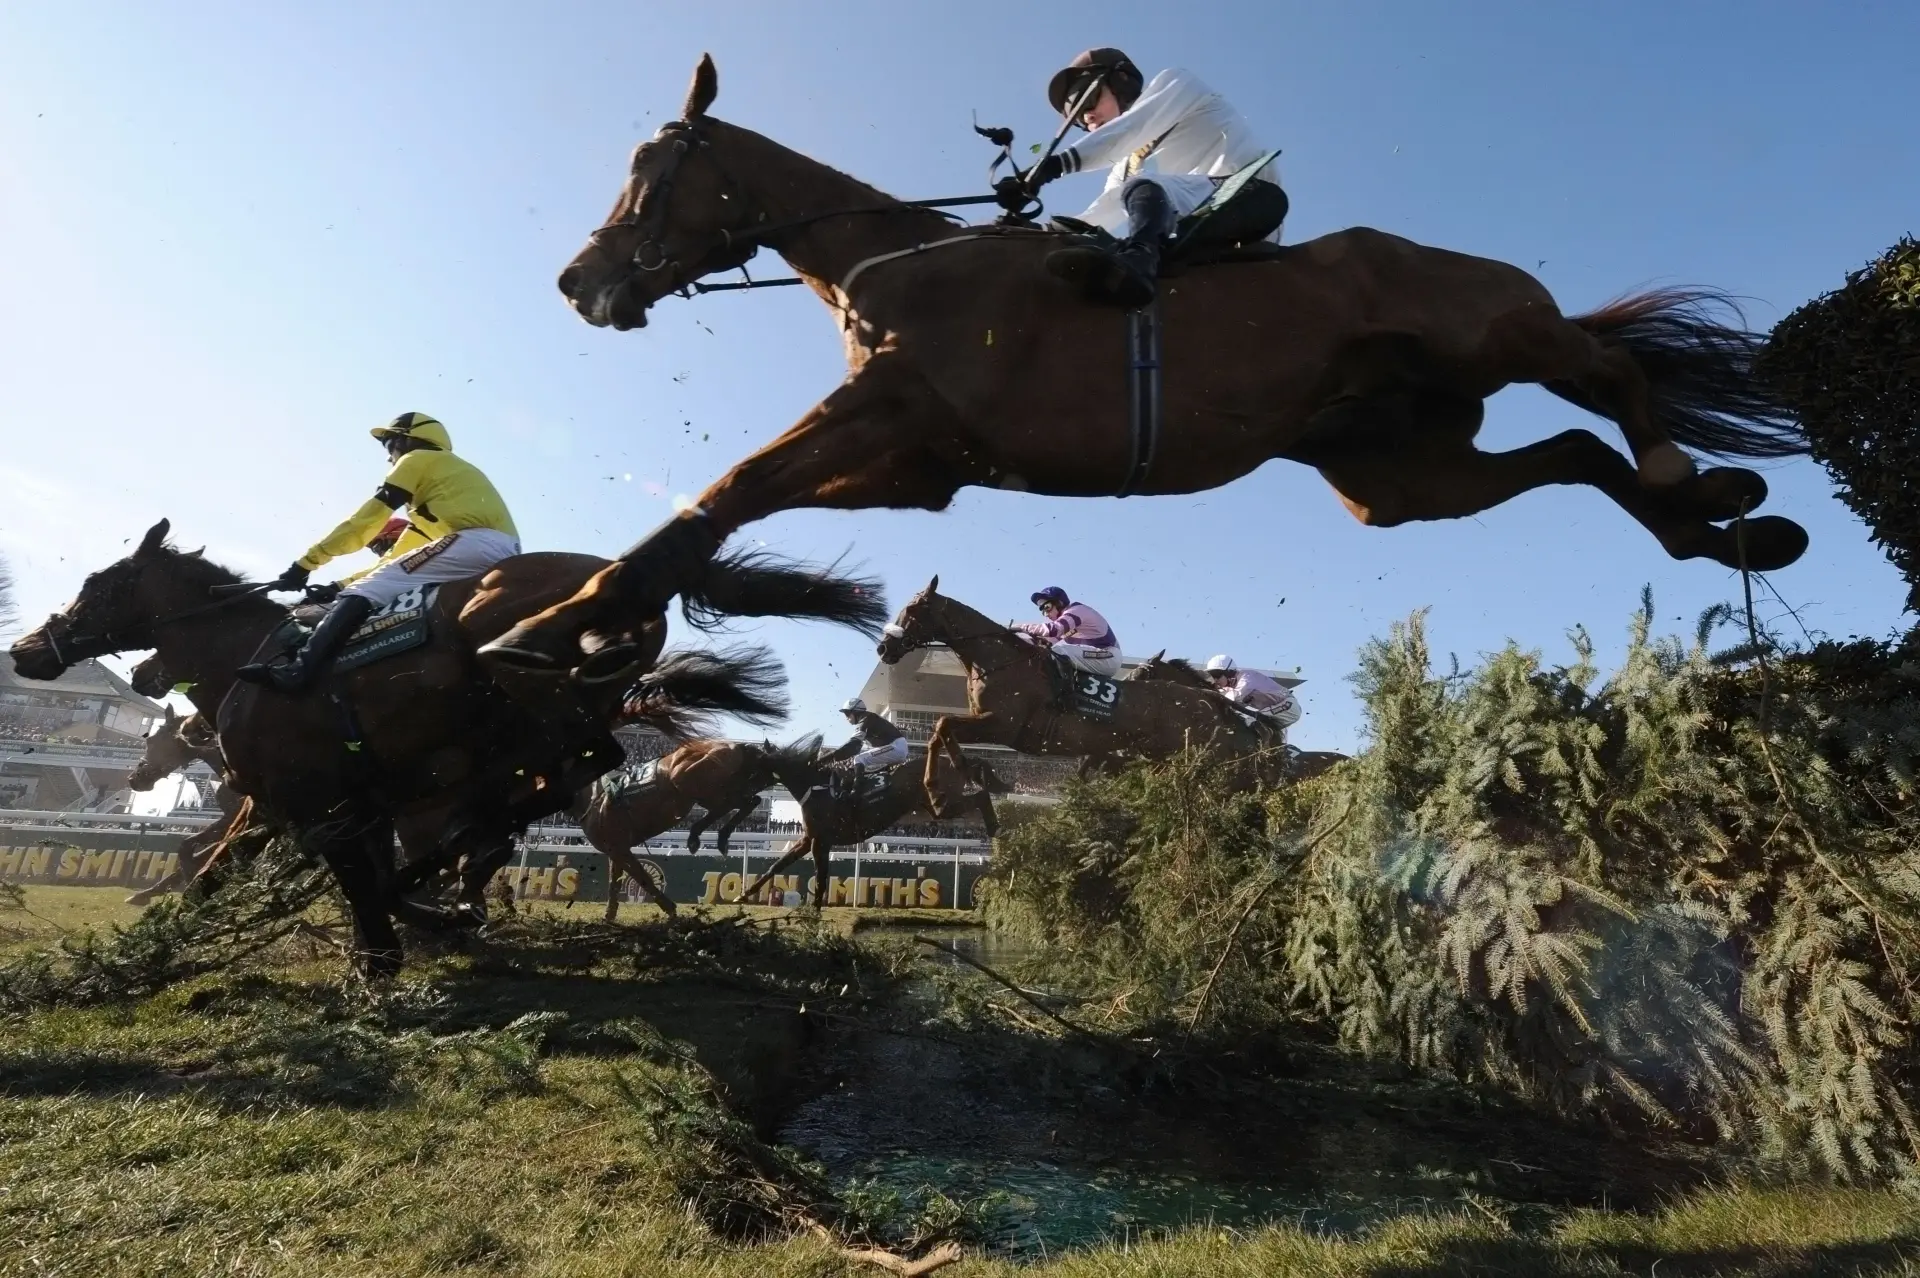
pixel 150 678
pixel 681 215
pixel 920 623
pixel 114 610
pixel 167 751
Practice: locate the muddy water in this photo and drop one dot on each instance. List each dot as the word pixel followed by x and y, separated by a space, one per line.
pixel 1080 1145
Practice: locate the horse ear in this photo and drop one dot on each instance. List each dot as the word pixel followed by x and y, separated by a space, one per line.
pixel 1159 656
pixel 155 539
pixel 704 89
pixel 172 716
pixel 933 585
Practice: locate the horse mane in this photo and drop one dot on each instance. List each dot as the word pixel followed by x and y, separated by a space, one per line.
pixel 800 752
pixel 1179 663
pixel 197 569
pixel 864 187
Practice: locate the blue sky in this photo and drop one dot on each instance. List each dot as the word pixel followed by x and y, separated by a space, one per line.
pixel 234 237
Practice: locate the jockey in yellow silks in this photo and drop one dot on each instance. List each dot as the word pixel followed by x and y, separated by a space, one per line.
pixel 457 527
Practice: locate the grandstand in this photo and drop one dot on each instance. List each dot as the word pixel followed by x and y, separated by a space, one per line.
pixel 66 745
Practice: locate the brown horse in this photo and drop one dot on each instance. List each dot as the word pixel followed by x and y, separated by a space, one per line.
pixel 1362 354
pixel 422 736
pixel 1013 698
pixel 723 778
pixel 833 820
pixel 1299 765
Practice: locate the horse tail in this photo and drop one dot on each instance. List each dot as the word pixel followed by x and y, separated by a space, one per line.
pixel 688 686
pixel 1697 354
pixel 751 583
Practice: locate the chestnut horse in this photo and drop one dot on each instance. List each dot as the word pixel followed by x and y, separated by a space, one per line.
pixel 833 820
pixel 423 736
pixel 1362 354
pixel 1013 698
pixel 724 778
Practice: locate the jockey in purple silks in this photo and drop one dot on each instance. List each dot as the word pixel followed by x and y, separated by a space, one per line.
pixel 1076 633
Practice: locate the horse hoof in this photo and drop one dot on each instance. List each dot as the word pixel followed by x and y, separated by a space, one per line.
pixel 608 663
pixel 519 655
pixel 1720 494
pixel 1664 466
pixel 1771 543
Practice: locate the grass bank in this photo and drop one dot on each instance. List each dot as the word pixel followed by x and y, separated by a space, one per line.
pixel 584 1101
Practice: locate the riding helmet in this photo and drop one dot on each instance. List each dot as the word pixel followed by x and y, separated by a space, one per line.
pixel 1121 75
pixel 1221 664
pixel 854 705
pixel 1052 595
pixel 427 430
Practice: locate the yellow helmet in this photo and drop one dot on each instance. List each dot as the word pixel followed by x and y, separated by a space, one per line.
pixel 415 426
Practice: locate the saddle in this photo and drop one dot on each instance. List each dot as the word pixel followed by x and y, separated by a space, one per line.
pixel 1232 226
pixel 872 784
pixel 1081 691
pixel 401 626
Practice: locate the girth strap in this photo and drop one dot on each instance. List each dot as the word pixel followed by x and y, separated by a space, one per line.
pixel 1143 393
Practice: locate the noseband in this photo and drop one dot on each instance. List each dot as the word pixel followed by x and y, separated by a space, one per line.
pixel 649 216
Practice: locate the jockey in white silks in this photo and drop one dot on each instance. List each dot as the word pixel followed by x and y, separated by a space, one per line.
pixel 1170 142
pixel 1076 633
pixel 1251 690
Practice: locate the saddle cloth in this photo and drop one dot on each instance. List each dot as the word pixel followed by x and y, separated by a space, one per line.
pixel 401 626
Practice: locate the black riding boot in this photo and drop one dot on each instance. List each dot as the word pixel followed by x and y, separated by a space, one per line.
pixel 1123 276
pixel 308 664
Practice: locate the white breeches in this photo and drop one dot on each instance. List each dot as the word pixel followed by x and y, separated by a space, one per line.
pixel 454 557
pixel 881 756
pixel 1185 192
pixel 1104 662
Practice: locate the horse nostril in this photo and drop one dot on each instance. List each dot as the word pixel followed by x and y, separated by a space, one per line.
pixel 569 279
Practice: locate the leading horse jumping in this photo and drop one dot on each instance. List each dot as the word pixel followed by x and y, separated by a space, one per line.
pixel 1362 354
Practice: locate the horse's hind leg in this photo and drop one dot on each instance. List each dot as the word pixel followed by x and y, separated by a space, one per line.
pixel 1439 474
pixel 739 814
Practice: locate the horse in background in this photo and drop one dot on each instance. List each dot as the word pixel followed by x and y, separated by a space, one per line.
pixel 835 818
pixel 1296 764
pixel 722 778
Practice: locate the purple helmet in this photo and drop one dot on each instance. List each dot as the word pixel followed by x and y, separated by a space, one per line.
pixel 1052 595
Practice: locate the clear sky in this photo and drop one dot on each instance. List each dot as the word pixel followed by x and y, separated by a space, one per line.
pixel 234 237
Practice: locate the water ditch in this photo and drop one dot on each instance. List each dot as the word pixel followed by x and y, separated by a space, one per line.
pixel 1071 1144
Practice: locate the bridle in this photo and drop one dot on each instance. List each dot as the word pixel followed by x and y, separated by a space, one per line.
pixel 895 631
pixel 726 249
pixel 85 645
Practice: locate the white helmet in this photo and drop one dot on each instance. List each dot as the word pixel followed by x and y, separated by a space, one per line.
pixel 854 705
pixel 1221 664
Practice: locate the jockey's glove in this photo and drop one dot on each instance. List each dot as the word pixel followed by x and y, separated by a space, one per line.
pixel 1014 192
pixel 294 578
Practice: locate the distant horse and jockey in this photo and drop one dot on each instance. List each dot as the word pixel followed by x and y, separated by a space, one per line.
pixel 461 689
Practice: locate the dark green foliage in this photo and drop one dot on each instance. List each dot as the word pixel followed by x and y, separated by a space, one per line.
pixel 1849 363
pixel 1621 898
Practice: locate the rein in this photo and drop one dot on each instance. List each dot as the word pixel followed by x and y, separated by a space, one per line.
pixel 648 216
pixel 114 641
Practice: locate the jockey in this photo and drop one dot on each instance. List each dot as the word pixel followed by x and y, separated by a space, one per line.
pixel 876 743
pixel 456 510
pixel 1251 690
pixel 1076 633
pixel 1170 141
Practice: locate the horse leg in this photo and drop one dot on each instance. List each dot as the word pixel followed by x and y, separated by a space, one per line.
pixel 614 872
pixel 739 814
pixel 794 853
pixel 696 828
pixel 1438 474
pixel 988 817
pixel 376 946
pixel 623 860
pixel 822 855
pixel 884 438
pixel 948 734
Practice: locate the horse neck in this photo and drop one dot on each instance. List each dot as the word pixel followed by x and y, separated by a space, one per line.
pixel 205 650
pixel 975 638
pixel 791 187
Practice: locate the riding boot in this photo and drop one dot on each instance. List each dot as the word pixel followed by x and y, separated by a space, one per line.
pixel 1123 276
pixel 308 664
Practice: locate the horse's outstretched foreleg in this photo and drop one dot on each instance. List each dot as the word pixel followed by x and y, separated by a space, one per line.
pixel 885 438
pixel 626 863
pixel 615 871
pixel 949 732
